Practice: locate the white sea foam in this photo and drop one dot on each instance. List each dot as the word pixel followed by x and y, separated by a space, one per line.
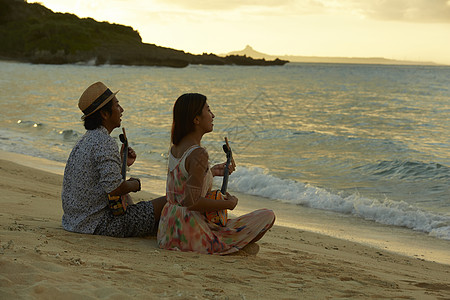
pixel 340 126
pixel 256 181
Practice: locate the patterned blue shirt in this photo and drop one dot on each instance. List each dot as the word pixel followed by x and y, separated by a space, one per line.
pixel 92 171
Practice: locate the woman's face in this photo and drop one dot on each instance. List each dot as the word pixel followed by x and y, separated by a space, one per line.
pixel 205 119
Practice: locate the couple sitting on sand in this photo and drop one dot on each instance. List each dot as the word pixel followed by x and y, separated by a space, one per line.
pixel 93 179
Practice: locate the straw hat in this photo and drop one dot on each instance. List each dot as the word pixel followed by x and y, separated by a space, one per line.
pixel 94 98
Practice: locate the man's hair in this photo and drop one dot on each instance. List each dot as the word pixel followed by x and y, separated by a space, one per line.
pixel 94 121
pixel 186 108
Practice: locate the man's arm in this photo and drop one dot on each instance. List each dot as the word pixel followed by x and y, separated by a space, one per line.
pixel 130 185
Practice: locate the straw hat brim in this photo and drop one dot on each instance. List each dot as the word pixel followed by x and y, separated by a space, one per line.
pixel 101 105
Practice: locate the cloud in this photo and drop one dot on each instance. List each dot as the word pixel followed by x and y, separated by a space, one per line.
pixel 226 5
pixel 428 11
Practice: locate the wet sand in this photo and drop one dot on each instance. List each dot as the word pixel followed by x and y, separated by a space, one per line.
pixel 40 260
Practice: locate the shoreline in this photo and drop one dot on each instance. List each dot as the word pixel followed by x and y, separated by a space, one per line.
pixel 40 260
pixel 395 239
pixel 312 62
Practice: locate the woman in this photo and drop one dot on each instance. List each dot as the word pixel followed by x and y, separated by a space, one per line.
pixel 183 225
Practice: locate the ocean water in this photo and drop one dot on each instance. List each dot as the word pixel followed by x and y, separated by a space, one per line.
pixel 369 141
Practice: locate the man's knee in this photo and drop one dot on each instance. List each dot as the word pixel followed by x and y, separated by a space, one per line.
pixel 158 205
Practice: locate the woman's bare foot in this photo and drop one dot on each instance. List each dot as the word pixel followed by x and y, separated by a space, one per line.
pixel 249 250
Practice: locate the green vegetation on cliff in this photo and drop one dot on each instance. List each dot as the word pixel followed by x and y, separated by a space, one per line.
pixel 33 33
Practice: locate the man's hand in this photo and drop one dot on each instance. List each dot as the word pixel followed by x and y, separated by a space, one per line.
pixel 128 199
pixel 131 155
pixel 138 181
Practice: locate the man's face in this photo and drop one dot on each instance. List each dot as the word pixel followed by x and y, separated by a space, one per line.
pixel 113 120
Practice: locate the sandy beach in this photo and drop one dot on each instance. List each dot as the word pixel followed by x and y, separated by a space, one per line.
pixel 40 260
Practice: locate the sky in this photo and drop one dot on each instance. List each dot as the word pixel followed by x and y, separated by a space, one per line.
pixel 417 30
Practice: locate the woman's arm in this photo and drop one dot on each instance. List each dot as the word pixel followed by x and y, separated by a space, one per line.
pixel 196 166
pixel 204 204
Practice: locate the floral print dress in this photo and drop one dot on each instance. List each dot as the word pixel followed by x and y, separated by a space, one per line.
pixel 185 230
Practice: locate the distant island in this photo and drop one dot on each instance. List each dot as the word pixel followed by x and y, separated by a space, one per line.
pixel 249 51
pixel 33 33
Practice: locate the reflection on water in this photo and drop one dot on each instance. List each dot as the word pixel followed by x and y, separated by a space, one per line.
pixel 378 131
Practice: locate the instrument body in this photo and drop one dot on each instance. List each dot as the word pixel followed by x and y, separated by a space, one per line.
pixel 219 217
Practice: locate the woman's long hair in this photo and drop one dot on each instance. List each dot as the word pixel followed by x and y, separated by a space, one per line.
pixel 186 108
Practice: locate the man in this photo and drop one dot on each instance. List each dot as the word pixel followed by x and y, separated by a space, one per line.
pixel 93 171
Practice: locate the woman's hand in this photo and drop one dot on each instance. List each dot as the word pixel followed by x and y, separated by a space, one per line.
pixel 232 200
pixel 219 169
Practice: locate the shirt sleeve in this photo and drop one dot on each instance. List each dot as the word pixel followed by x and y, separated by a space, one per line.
pixel 108 165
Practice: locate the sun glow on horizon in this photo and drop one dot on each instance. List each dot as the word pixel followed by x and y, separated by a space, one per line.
pixel 406 30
